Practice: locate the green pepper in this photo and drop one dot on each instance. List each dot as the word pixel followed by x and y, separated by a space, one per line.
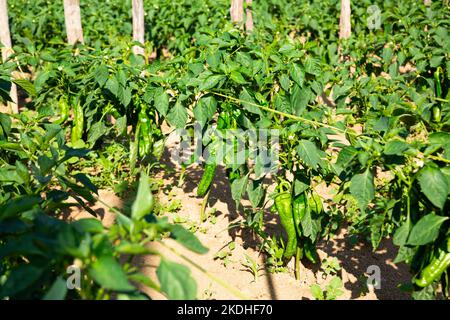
pixel 436 111
pixel 78 123
pixel 311 252
pixel 437 82
pixel 145 136
pixel 64 110
pixel 207 178
pixel 434 270
pixel 283 203
pixel 299 210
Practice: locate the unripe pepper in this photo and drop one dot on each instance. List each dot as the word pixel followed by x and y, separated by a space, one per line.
pixel 299 210
pixel 64 110
pixel 207 178
pixel 78 123
pixel 283 203
pixel 434 270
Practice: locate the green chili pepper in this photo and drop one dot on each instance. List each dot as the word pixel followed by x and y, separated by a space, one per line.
pixel 299 210
pixel 311 252
pixel 77 129
pixel 283 203
pixel 436 110
pixel 207 178
pixel 437 82
pixel 434 270
pixel 64 110
pixel 145 142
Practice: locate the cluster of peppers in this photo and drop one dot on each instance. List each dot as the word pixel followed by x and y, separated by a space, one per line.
pixel 439 263
pixel 291 211
pixel 64 104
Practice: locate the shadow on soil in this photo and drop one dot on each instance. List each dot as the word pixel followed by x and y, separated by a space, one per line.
pixel 354 259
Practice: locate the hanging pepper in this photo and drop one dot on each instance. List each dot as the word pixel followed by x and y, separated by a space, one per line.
pixel 64 110
pixel 299 210
pixel 78 122
pixel 283 203
pixel 207 178
pixel 436 268
pixel 145 142
pixel 436 110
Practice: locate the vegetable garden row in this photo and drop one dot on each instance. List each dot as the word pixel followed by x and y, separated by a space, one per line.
pixel 366 111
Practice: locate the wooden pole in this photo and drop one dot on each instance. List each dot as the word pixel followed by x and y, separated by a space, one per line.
pixel 72 17
pixel 249 17
pixel 5 39
pixel 138 25
pixel 237 11
pixel 345 27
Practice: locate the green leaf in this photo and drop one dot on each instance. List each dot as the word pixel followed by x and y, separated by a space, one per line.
pixel 101 75
pixel 248 102
pixel 26 85
pixel 309 153
pixel 404 254
pixel 18 205
pixel 205 109
pixel 434 185
pixel 345 158
pixel 362 188
pixel 81 177
pixel 237 77
pixel 312 66
pixel 401 235
pixel 57 291
pixel 176 281
pixel 255 193
pixel 88 225
pixel 97 131
pixel 143 204
pixel 161 102
pixel 20 278
pixel 395 147
pixel 238 187
pixel 121 125
pixel 187 239
pixel 178 115
pixel 211 82
pixel 108 273
pixel 297 74
pixel 426 230
pixel 285 82
pixel 300 99
pixel 317 292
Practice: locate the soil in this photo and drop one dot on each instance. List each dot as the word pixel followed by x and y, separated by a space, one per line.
pixel 216 234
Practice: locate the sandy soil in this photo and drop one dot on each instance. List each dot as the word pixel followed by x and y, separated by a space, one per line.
pixel 354 259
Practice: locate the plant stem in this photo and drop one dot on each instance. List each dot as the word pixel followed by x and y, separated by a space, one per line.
pixel 203 216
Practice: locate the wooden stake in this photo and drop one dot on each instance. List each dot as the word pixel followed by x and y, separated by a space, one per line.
pixel 138 26
pixel 72 17
pixel 249 17
pixel 345 27
pixel 5 39
pixel 237 11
